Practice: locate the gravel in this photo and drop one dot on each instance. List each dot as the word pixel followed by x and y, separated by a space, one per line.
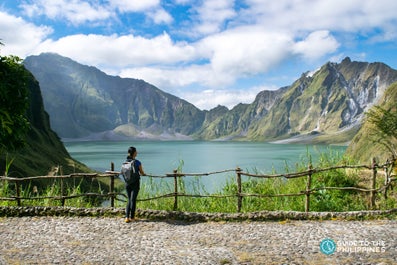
pixel 109 240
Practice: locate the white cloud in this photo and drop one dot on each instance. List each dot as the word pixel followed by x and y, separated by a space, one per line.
pixel 212 14
pixel 316 45
pixel 119 51
pixel 27 38
pixel 172 78
pixel 160 16
pixel 211 98
pixel 313 15
pixel 79 12
pixel 245 51
pixel 388 33
pixel 75 11
pixel 184 2
pixel 229 43
pixel 134 5
pixel 175 81
pixel 228 56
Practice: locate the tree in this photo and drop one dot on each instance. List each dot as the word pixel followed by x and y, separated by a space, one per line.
pixel 14 101
pixel 385 123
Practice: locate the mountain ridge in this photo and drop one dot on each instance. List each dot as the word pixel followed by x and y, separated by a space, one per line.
pixel 93 102
pixel 85 102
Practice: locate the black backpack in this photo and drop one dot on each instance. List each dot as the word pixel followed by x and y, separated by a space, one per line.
pixel 129 172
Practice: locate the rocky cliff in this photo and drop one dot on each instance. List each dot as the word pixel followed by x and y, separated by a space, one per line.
pixel 44 150
pixel 367 143
pixel 83 101
pixel 325 106
pixel 328 102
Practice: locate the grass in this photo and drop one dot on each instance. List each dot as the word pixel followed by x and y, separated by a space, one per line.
pixel 41 196
pixel 322 200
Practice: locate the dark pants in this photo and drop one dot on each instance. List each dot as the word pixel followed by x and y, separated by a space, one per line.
pixel 132 192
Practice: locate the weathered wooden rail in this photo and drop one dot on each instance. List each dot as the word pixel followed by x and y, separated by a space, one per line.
pixel 387 169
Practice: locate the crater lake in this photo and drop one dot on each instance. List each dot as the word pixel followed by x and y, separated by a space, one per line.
pixel 162 157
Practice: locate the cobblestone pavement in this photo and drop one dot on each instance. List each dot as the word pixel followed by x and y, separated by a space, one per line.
pixel 92 240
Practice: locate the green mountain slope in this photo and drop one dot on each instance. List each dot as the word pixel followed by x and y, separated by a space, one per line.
pixel 83 101
pixel 364 145
pixel 44 149
pixel 329 102
pixel 235 123
pixel 325 106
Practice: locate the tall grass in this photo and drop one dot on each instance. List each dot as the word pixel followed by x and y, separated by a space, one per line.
pixel 322 200
pixel 40 196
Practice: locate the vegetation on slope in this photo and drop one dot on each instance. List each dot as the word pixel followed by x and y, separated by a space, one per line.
pixel 28 145
pixel 378 134
pixel 85 102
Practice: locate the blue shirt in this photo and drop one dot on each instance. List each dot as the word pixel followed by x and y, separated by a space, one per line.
pixel 137 164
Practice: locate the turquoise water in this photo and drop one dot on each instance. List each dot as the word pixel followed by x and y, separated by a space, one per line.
pixel 159 158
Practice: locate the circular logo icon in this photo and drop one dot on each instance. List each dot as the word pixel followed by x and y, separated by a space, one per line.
pixel 327 246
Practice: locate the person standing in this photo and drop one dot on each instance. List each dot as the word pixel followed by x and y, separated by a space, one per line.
pixel 133 189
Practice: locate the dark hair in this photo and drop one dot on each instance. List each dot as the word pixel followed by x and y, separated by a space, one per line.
pixel 131 150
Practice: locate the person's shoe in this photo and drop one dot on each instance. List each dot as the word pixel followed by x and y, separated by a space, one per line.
pixel 127 220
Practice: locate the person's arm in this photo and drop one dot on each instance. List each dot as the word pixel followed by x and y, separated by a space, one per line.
pixel 141 170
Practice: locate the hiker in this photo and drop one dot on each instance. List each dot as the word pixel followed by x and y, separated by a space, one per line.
pixel 133 187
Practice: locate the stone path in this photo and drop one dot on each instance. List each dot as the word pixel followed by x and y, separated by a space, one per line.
pixel 91 240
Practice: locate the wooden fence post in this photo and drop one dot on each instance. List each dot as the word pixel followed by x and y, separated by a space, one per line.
pixel 18 189
pixel 62 186
pixel 373 187
pixel 62 193
pixel 386 170
pixel 239 189
pixel 111 186
pixel 308 187
pixel 175 190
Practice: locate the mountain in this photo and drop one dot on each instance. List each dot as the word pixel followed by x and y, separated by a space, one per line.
pixel 44 150
pixel 365 145
pixel 220 123
pixel 324 106
pixel 83 101
pixel 328 102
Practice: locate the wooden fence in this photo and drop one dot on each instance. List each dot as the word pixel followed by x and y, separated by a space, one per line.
pixel 387 169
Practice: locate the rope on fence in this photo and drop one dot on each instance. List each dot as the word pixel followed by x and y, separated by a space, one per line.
pixel 387 167
pixel 303 173
pixel 170 195
pixel 88 194
pixel 272 195
pixel 73 175
pixel 199 174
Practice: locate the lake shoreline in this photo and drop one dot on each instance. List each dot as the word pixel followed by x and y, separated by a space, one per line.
pixel 111 136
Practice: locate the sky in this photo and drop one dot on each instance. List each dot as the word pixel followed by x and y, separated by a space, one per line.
pixel 208 52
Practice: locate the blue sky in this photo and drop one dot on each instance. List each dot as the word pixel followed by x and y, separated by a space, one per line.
pixel 208 52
